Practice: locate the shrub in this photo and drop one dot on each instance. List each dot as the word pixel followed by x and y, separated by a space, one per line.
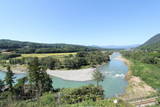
pixel 76 95
pixel 47 99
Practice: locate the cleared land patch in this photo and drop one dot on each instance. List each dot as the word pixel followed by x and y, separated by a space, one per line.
pixel 48 54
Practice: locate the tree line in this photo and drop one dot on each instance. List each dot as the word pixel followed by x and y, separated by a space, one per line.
pixel 6 56
pixel 77 61
pixel 148 57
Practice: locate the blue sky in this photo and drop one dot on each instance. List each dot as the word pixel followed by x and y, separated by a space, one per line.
pixel 86 22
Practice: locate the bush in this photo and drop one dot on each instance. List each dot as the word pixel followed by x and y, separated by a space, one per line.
pixel 76 95
pixel 47 99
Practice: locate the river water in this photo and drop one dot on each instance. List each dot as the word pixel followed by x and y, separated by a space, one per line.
pixel 114 84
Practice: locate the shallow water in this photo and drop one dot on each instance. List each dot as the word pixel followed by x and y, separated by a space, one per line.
pixel 114 84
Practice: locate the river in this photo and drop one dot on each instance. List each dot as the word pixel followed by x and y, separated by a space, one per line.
pixel 114 84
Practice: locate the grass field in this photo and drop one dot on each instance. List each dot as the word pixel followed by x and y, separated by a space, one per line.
pixel 147 72
pixel 48 54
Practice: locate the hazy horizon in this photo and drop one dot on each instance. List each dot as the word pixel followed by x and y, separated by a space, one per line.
pixel 92 45
pixel 91 22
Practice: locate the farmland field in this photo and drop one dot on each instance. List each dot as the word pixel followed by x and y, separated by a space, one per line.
pixel 48 54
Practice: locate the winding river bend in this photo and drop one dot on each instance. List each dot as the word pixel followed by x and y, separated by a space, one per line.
pixel 114 83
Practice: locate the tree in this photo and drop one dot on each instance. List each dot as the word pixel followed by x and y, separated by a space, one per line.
pixel 38 78
pixel 1 85
pixel 82 61
pixel 33 77
pixel 49 62
pixel 98 76
pixel 20 86
pixel 71 63
pixel 9 79
pixel 44 82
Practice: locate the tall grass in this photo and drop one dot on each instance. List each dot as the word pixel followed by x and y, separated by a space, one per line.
pixel 48 101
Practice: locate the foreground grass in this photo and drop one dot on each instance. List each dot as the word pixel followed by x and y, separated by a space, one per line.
pixel 48 101
pixel 102 103
pixel 86 96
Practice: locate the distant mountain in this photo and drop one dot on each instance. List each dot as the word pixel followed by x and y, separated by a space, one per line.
pixel 152 44
pixel 120 47
pixel 32 47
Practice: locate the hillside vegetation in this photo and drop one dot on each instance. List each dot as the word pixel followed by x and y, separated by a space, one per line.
pixel 146 65
pixel 152 44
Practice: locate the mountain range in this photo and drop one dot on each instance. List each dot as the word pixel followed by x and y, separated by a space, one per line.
pixel 152 44
pixel 32 47
pixel 121 46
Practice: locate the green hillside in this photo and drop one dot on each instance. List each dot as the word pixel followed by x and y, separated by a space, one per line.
pixel 31 47
pixel 152 44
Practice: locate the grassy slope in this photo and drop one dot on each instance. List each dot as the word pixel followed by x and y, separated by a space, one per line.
pixel 136 87
pixel 147 72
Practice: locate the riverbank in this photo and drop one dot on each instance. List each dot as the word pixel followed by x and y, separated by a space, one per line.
pixel 17 69
pixel 124 60
pixel 136 87
pixel 73 75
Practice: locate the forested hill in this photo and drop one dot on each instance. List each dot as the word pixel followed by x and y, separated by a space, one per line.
pixel 152 44
pixel 31 47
